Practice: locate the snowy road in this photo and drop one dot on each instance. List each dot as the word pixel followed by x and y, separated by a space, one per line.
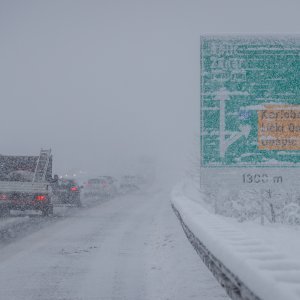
pixel 130 247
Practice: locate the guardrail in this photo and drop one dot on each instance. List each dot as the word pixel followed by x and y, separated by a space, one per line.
pixel 234 287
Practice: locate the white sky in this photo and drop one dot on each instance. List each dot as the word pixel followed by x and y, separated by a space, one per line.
pixel 103 82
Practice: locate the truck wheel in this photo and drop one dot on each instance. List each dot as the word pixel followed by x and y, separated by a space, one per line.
pixel 4 211
pixel 48 210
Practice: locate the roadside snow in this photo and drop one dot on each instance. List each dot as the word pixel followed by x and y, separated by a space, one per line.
pixel 266 258
pixel 8 224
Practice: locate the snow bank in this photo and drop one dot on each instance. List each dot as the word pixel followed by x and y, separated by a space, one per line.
pixel 9 226
pixel 265 258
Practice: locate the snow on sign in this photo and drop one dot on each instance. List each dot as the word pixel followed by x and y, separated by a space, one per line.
pixel 250 101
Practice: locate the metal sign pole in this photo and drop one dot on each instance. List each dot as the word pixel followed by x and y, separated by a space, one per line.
pixel 262 206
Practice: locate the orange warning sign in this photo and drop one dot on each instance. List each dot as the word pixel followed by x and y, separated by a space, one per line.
pixel 279 127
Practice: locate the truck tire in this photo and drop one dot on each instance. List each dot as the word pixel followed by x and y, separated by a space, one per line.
pixel 47 210
pixel 78 203
pixel 4 211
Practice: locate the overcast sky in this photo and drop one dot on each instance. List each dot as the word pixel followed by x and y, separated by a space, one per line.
pixel 104 82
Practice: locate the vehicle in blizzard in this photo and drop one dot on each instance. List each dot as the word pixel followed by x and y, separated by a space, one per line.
pixel 25 183
pixel 91 187
pixel 67 191
pixel 104 186
pixel 108 186
pixel 129 183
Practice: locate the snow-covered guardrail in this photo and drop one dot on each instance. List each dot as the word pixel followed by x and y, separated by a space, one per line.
pixel 247 267
pixel 233 286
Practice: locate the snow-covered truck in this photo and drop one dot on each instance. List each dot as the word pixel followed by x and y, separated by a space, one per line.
pixel 25 183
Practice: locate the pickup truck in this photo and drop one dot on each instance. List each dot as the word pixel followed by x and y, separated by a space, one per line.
pixel 25 183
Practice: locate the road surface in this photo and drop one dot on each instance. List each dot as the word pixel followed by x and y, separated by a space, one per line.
pixel 130 247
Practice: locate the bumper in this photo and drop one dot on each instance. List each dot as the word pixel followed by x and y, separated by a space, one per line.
pixel 24 204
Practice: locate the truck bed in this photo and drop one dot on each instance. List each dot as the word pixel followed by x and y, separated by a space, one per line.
pixel 24 187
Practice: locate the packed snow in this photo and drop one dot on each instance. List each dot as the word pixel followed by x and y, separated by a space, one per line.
pixel 265 258
pixel 129 247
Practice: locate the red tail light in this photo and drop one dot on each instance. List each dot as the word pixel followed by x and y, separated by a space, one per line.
pixel 3 197
pixel 74 188
pixel 40 197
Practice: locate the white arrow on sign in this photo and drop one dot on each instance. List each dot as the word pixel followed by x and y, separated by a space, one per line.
pixel 244 131
pixel 223 95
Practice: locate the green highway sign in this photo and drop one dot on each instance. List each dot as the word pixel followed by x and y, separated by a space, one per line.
pixel 250 101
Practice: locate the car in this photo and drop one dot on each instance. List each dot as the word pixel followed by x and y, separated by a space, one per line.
pixel 109 186
pixel 129 183
pixel 103 186
pixel 67 191
pixel 91 187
